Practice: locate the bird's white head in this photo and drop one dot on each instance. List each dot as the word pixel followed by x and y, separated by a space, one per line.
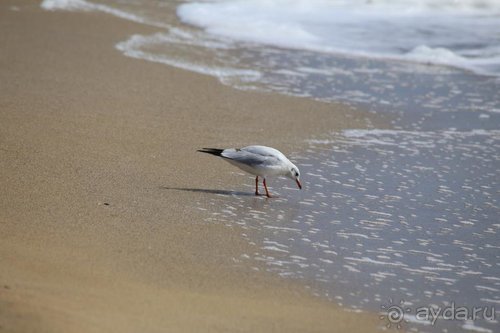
pixel 294 174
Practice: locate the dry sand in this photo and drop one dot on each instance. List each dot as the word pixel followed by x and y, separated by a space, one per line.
pixel 92 237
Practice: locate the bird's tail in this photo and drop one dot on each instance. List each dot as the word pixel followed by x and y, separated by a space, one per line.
pixel 212 151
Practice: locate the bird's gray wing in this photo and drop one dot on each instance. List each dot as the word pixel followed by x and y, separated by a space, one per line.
pixel 265 151
pixel 248 158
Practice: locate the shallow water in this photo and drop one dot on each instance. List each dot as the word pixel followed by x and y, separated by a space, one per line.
pixel 385 215
pixel 406 215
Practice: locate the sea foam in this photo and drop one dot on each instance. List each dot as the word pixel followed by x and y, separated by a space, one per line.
pixel 454 33
pixel 82 5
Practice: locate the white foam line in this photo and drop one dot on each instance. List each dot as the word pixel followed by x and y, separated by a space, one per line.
pixel 82 5
pixel 469 325
pixel 491 278
pixel 421 271
pixel 298 257
pixel 427 268
pixel 379 213
pixel 326 261
pixel 274 248
pixel 275 243
pixel 486 288
pixel 376 262
pixel 362 133
pixel 281 228
pixel 489 300
pixel 347 234
pixel 131 47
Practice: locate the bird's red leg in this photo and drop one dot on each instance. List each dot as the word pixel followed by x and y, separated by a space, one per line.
pixel 257 185
pixel 265 186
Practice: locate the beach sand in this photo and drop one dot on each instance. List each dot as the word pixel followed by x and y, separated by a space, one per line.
pixel 99 231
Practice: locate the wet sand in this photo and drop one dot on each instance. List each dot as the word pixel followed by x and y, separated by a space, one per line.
pixel 95 234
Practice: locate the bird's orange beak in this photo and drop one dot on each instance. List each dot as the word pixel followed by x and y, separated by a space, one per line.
pixel 298 184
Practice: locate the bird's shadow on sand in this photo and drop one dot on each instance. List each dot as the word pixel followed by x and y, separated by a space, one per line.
pixel 209 191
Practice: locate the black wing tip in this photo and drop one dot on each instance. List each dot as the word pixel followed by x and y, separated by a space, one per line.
pixel 212 151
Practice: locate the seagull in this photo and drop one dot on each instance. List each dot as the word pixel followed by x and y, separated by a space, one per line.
pixel 260 161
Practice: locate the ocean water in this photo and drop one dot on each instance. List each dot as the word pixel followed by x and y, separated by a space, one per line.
pixel 387 215
pixel 405 218
pixel 463 33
